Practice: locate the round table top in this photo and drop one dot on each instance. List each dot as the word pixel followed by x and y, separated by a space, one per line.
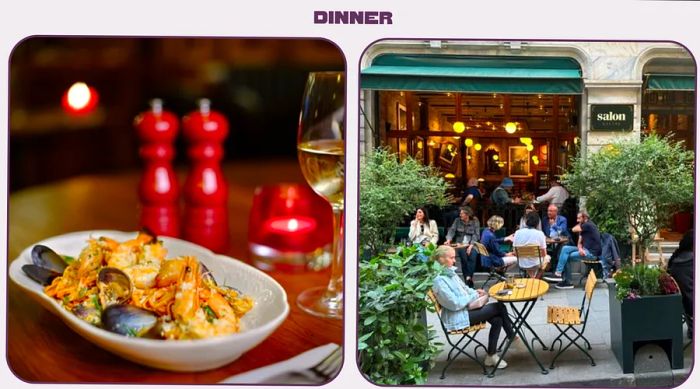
pixel 525 289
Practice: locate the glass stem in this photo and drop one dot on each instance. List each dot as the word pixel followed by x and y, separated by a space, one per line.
pixel 335 285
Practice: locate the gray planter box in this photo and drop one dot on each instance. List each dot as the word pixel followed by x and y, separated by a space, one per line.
pixel 649 319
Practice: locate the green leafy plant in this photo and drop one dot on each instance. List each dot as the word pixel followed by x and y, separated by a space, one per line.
pixel 637 281
pixel 389 191
pixel 634 186
pixel 395 345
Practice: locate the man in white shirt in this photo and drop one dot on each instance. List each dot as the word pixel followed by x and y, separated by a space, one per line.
pixel 556 194
pixel 532 236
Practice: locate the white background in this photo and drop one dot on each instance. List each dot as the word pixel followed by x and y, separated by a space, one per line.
pixel 500 20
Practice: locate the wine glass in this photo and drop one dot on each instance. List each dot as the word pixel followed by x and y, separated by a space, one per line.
pixel 321 151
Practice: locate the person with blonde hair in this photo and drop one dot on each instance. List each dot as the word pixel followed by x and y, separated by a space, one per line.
pixel 455 296
pixel 496 257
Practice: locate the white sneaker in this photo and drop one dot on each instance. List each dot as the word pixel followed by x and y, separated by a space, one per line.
pixel 491 360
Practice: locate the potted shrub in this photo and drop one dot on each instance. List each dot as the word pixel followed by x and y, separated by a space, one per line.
pixel 390 190
pixel 634 186
pixel 395 345
pixel 645 306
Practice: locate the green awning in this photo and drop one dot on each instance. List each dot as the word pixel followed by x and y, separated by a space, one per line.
pixel 679 82
pixel 431 73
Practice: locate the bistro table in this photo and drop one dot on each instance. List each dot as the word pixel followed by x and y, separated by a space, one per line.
pixel 525 290
pixel 41 349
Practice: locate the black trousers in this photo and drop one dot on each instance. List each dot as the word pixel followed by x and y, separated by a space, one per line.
pixel 496 315
pixel 468 262
pixel 683 273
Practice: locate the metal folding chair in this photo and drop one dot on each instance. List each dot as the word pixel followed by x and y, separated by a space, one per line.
pixel 530 251
pixel 594 264
pixel 566 319
pixel 494 272
pixel 468 335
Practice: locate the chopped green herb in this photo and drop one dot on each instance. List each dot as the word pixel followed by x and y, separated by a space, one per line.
pixel 68 259
pixel 66 300
pixel 210 313
pixel 132 332
pixel 82 291
pixel 96 303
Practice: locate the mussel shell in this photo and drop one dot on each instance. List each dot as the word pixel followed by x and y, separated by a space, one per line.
pixel 129 320
pixel 87 313
pixel 114 286
pixel 43 256
pixel 39 274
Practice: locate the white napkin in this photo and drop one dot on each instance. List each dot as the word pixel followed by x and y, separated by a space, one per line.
pixel 300 362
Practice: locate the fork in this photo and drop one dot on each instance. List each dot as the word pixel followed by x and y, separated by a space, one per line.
pixel 329 367
pixel 296 370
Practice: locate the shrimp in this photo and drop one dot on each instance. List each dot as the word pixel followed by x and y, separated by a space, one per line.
pixel 186 298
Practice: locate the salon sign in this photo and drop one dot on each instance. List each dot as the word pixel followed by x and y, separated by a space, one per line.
pixel 608 117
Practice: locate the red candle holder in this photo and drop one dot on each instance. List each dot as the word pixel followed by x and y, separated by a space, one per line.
pixel 290 228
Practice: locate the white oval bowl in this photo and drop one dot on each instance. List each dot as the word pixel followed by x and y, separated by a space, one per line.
pixel 269 311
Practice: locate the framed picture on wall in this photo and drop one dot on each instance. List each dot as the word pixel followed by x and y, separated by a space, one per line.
pixel 448 152
pixel 400 116
pixel 518 161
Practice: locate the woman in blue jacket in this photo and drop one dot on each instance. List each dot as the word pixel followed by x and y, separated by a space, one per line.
pixel 454 296
pixel 496 257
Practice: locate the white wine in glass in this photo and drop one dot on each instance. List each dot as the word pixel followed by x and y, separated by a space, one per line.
pixel 321 151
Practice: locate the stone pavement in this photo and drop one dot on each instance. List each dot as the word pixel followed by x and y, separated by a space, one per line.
pixel 572 368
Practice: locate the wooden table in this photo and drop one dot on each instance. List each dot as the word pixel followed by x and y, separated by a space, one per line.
pixel 41 349
pixel 531 290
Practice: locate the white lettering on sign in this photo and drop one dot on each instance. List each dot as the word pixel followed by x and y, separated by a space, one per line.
pixel 611 116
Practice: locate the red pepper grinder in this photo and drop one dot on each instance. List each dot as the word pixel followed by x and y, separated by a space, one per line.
pixel 206 193
pixel 158 189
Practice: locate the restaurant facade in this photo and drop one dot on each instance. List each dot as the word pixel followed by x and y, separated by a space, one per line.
pixel 520 109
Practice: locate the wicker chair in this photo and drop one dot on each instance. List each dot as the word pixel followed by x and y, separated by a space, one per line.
pixel 497 273
pixel 566 319
pixel 468 335
pixel 530 251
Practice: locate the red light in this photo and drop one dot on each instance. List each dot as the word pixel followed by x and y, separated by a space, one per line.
pixel 80 99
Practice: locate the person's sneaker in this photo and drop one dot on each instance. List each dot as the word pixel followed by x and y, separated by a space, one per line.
pixel 564 285
pixel 553 278
pixel 491 360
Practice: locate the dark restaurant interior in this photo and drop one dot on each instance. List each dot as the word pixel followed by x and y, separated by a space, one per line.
pixel 256 84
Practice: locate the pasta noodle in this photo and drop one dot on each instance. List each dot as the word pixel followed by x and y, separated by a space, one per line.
pixel 187 301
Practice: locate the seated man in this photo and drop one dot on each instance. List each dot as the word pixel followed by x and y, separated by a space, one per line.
pixel 588 246
pixel 554 225
pixel 532 236
pixel 465 231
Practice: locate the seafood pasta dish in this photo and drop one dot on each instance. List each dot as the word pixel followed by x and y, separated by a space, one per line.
pixel 131 288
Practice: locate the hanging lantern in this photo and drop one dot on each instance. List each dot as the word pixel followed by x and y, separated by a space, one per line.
pixel 526 140
pixel 458 127
pixel 495 157
pixel 511 127
pixel 477 146
pixel 530 147
pixel 468 142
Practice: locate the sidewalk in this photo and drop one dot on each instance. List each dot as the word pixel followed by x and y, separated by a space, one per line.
pixel 572 368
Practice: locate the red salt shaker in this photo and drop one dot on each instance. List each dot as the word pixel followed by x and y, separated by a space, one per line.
pixel 206 193
pixel 158 188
